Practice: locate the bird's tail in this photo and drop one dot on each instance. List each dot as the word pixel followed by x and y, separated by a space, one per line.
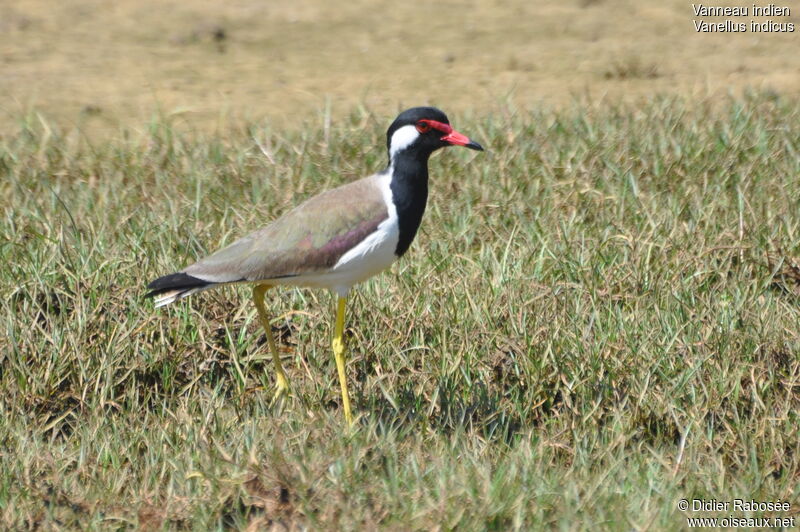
pixel 175 286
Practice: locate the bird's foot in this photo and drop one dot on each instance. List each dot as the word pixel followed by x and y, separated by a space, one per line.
pixel 281 388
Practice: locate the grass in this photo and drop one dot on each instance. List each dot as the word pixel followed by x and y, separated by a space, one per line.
pixel 211 63
pixel 598 318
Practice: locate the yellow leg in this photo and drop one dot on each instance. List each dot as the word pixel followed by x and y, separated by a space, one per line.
pixel 258 298
pixel 338 353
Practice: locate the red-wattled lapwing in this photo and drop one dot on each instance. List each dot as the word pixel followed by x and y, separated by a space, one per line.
pixel 335 239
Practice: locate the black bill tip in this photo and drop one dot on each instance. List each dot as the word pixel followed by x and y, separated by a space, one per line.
pixel 473 145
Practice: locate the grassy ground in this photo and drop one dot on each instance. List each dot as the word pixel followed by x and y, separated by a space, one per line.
pixel 599 318
pixel 100 65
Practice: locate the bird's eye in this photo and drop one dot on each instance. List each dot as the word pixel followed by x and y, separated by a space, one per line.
pixel 423 127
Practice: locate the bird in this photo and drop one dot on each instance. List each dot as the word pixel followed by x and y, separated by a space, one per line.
pixel 333 240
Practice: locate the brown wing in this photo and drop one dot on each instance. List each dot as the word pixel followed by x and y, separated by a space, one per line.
pixel 308 239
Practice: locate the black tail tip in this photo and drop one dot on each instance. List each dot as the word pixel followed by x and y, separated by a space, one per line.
pixel 174 281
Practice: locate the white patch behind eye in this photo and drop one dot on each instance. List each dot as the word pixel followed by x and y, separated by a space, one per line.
pixel 402 139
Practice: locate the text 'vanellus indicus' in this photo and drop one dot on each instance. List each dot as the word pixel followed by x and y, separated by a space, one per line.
pixel 333 240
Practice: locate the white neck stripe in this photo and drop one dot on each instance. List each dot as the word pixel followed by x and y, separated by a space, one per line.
pixel 402 139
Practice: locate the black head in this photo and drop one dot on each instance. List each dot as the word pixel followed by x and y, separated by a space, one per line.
pixel 424 130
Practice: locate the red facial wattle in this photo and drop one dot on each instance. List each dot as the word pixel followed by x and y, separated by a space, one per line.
pixel 451 136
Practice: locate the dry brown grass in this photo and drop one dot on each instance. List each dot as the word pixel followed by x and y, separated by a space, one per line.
pixel 98 64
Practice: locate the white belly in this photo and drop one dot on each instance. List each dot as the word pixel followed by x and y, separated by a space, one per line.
pixel 370 257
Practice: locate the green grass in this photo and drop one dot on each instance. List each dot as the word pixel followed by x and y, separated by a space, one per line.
pixel 598 318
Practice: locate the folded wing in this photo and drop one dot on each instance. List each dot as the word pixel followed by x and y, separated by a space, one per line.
pixel 307 240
